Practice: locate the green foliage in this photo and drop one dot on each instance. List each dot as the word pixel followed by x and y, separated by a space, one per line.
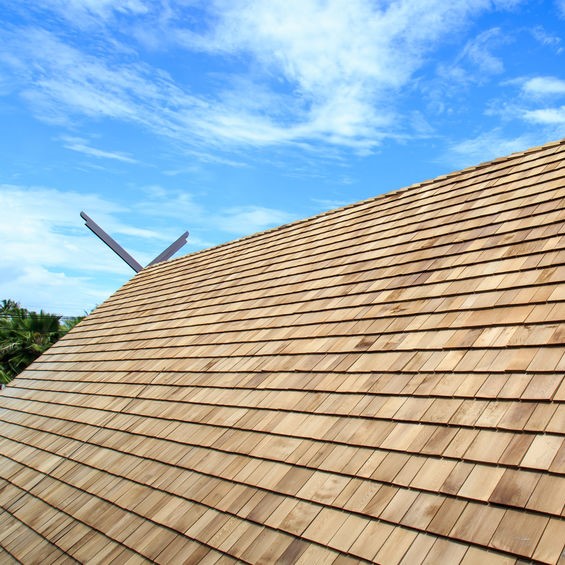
pixel 25 335
pixel 69 323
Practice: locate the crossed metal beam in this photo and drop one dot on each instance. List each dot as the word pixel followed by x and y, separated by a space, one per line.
pixel 123 254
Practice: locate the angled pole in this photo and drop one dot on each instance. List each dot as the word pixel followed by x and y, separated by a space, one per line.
pixel 171 250
pixel 111 243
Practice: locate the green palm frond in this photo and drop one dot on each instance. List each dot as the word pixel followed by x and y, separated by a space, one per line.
pixel 24 336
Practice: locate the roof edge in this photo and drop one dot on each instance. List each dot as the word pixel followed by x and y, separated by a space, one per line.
pixel 381 196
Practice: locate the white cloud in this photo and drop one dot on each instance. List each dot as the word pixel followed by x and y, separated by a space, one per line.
pixel 81 146
pixel 243 220
pixel 173 204
pixel 328 204
pixel 50 260
pixel 41 226
pixel 182 206
pixel 44 239
pixel 560 7
pixel 316 71
pixel 82 13
pixel 544 86
pixel 486 146
pixel 546 116
pixel 38 288
pixel 531 105
pixel 478 51
pixel 474 64
pixel 63 80
pixel 344 58
pixel 546 38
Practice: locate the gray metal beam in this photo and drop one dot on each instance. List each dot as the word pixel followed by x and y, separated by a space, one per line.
pixel 111 243
pixel 171 250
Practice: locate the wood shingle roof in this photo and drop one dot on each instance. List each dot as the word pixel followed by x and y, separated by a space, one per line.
pixel 383 382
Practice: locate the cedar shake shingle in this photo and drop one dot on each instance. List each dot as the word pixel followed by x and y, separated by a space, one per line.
pixel 383 382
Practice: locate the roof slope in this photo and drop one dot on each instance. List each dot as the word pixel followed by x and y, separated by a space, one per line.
pixel 382 382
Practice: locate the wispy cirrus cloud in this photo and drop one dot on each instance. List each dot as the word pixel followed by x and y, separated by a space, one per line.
pixel 81 146
pixel 345 60
pixel 476 63
pixel 181 205
pixel 310 72
pixel 480 51
pixel 48 258
pixel 523 95
pixel 537 102
pixel 546 38
pixel 486 146
pixel 329 204
pixel 61 82
pixel 239 220
pixel 84 13
pixel 45 244
pixel 529 113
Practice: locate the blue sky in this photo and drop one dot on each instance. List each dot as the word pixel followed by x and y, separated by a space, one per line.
pixel 227 117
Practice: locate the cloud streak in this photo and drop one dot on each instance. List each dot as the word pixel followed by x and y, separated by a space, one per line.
pixel 544 86
pixel 81 146
pixel 488 145
pixel 48 257
pixel 546 116
pixel 345 60
pixel 312 72
pixel 46 246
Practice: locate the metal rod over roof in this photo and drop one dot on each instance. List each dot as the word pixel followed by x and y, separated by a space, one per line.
pixel 123 254
pixel 171 250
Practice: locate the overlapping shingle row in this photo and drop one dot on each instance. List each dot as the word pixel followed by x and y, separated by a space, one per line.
pixel 384 382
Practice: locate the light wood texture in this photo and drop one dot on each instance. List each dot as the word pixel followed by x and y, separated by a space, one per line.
pixel 384 382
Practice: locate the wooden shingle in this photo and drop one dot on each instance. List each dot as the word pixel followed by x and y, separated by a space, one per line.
pixel 380 383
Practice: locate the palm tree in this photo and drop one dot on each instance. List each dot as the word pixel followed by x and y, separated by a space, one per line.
pixel 69 322
pixel 8 306
pixel 24 336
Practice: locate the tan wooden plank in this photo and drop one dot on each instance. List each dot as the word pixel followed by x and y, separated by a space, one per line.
pixel 477 523
pixel 481 482
pixel 478 556
pixel 445 551
pixel 422 511
pixel 418 550
pixel 548 495
pixel 551 546
pixel 396 546
pixel 515 487
pixel 345 537
pixel 542 451
pixel 371 539
pixel 446 516
pixel 519 532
